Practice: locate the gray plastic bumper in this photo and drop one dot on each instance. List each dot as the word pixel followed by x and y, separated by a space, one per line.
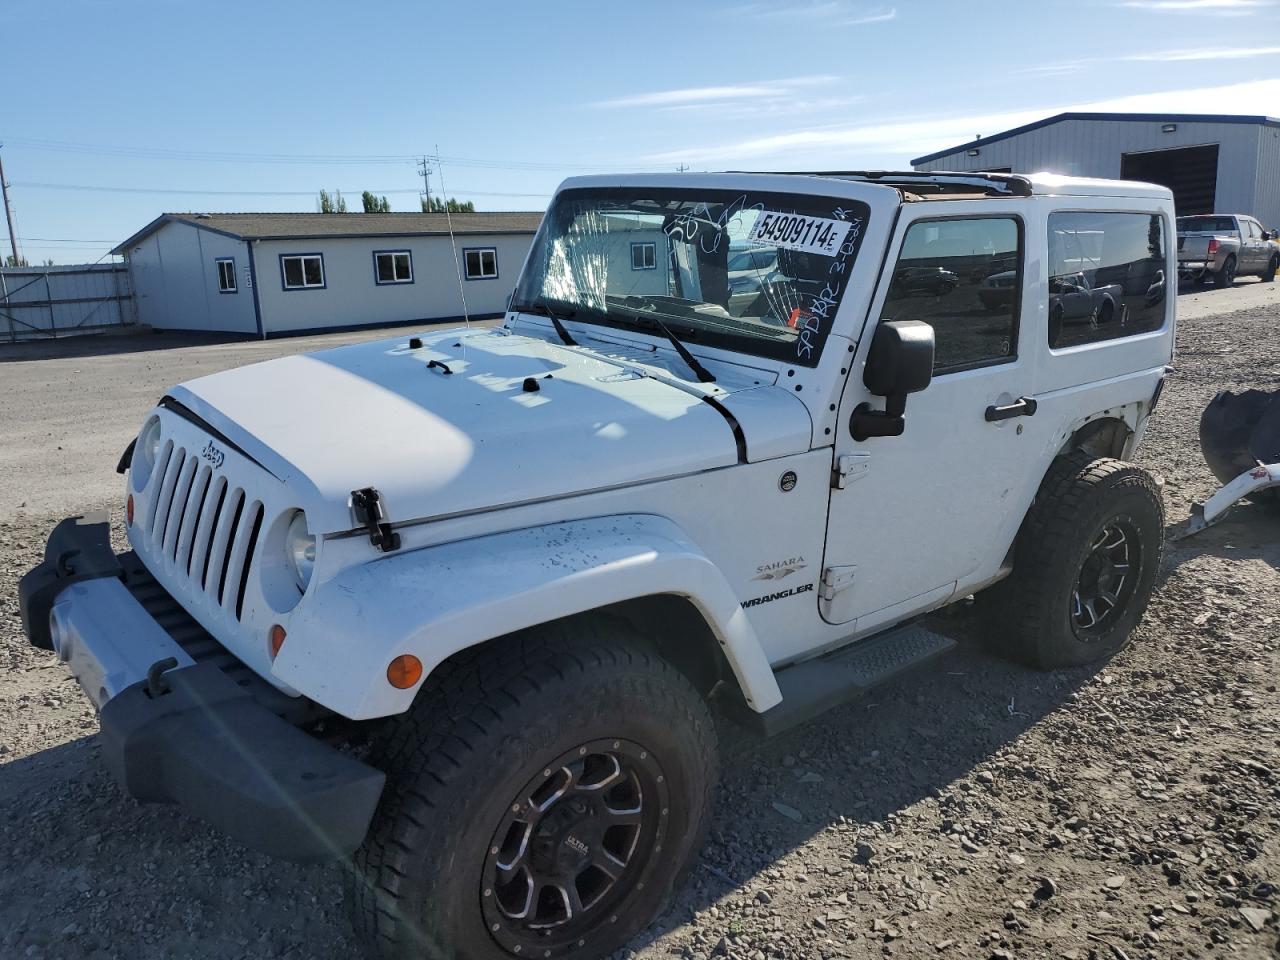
pixel 175 730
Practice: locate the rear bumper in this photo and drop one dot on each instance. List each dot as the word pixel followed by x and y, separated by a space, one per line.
pixel 183 728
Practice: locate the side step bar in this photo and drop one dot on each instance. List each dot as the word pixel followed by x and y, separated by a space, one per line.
pixel 815 686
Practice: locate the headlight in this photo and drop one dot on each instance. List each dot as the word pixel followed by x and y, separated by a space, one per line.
pixel 300 550
pixel 145 453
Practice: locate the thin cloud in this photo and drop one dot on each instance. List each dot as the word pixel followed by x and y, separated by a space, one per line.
pixel 836 145
pixel 1160 56
pixel 719 94
pixel 1229 7
pixel 1208 53
pixel 837 13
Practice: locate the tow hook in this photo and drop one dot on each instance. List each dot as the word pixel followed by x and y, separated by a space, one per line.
pixel 366 504
pixel 157 684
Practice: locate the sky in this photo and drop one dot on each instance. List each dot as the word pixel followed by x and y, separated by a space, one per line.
pixel 112 113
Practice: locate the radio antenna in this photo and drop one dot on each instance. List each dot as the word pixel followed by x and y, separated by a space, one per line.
pixel 457 264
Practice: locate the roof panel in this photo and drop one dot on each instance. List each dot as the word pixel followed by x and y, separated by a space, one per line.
pixel 1113 117
pixel 263 226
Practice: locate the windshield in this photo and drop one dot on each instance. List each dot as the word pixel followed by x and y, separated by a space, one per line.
pixel 762 273
pixel 1212 224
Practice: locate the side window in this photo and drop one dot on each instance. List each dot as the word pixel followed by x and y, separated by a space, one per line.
pixel 392 266
pixel 1106 276
pixel 644 256
pixel 301 271
pixel 226 274
pixel 481 263
pixel 964 277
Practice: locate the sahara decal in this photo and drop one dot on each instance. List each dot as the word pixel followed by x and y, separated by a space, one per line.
pixel 779 568
pixel 781 595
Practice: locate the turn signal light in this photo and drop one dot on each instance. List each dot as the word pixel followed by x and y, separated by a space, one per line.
pixel 128 510
pixel 404 671
pixel 275 639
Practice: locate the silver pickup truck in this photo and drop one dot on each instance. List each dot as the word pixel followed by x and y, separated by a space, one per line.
pixel 1220 247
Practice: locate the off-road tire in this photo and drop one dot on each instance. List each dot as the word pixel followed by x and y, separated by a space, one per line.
pixel 1269 274
pixel 1031 615
pixel 1226 277
pixel 483 727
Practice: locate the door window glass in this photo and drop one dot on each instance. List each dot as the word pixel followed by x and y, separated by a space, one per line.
pixel 964 278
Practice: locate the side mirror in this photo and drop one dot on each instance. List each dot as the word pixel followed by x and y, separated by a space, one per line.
pixel 899 362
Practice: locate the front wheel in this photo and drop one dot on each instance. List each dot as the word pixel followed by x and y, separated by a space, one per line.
pixel 1085 564
pixel 544 796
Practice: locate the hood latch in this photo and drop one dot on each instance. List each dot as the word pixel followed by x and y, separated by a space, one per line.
pixel 367 506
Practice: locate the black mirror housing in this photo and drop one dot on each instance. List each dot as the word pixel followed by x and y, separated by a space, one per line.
pixel 899 362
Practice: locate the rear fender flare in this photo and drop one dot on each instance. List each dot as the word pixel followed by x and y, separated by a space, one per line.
pixel 438 600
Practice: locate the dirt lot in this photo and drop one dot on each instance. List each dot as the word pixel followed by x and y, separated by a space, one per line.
pixel 977 810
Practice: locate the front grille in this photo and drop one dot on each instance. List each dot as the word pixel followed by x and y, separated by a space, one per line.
pixel 205 527
pixel 203 648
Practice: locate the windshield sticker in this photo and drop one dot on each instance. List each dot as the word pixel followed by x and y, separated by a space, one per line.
pixel 809 324
pixel 793 231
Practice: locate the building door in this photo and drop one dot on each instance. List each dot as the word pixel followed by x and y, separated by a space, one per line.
pixel 1190 172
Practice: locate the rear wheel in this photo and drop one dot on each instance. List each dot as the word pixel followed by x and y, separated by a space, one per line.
pixel 1227 275
pixel 543 798
pixel 1273 265
pixel 1085 564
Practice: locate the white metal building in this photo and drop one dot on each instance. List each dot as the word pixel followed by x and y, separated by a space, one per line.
pixel 267 274
pixel 1212 163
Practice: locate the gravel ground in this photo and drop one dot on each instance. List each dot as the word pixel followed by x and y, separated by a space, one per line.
pixel 975 810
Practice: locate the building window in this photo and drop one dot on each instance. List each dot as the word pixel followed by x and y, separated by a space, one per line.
pixel 644 256
pixel 964 278
pixel 302 271
pixel 1106 276
pixel 226 274
pixel 481 263
pixel 392 266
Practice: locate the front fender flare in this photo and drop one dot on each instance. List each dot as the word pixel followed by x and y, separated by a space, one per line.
pixel 439 600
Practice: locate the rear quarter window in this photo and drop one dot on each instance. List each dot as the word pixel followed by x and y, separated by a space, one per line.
pixel 1106 276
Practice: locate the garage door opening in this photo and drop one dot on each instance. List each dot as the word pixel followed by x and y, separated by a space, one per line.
pixel 1190 172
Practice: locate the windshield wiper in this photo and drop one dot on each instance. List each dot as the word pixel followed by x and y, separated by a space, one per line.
pixel 544 310
pixel 704 375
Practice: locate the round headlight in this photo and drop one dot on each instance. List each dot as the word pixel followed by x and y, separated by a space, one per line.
pixel 300 550
pixel 146 451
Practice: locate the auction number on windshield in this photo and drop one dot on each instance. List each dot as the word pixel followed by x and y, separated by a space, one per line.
pixel 791 231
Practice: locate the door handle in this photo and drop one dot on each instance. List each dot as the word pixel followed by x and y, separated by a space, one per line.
pixel 1022 407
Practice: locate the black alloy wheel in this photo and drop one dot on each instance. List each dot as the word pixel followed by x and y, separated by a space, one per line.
pixel 1107 579
pixel 572 846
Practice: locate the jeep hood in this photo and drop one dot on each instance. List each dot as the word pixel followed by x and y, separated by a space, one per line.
pixel 476 420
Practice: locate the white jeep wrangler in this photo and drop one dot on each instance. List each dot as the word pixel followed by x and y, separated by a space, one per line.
pixel 738 433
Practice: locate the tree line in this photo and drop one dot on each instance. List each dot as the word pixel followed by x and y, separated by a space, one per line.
pixel 336 203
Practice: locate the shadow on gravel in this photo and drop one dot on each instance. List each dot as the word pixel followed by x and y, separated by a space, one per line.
pixel 1250 532
pixel 853 769
pixel 110 344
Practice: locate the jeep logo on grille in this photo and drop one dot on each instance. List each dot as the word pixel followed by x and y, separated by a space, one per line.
pixel 213 454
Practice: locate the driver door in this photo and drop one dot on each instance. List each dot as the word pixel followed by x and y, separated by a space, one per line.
pixel 939 505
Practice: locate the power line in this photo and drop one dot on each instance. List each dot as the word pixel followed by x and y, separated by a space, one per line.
pixel 207 156
pixel 30 185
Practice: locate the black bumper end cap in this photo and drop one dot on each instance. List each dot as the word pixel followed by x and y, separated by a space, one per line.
pixel 217 753
pixel 79 548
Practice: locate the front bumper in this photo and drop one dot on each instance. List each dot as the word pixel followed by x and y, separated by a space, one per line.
pixel 185 722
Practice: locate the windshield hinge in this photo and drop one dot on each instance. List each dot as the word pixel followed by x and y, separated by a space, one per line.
pixel 850 467
pixel 837 580
pixel 369 512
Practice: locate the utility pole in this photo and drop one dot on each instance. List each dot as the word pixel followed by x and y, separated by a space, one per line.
pixel 424 171
pixel 8 214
